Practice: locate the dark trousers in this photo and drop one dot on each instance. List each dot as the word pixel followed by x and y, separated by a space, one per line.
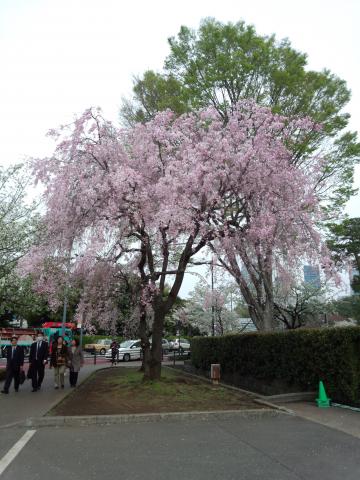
pixel 73 378
pixel 12 373
pixel 38 372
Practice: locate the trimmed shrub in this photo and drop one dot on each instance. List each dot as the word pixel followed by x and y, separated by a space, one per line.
pixel 287 361
pixel 2 374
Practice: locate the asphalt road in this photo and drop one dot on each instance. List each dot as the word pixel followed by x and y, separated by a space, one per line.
pixel 280 448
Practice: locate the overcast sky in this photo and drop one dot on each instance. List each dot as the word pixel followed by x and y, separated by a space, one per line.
pixel 59 57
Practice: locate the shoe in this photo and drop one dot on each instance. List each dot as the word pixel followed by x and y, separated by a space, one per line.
pixel 56 387
pixel 34 390
pixel 62 386
pixel 39 387
pixel 16 390
pixel 5 391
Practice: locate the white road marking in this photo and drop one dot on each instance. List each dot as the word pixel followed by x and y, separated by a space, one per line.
pixel 11 454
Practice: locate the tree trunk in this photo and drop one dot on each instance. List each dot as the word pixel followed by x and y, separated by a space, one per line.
pixel 268 315
pixel 153 363
pixel 145 344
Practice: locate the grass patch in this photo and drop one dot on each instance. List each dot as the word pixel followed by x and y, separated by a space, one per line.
pixel 122 390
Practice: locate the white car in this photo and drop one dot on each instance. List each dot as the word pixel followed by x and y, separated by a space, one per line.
pixel 166 346
pixel 184 344
pixel 128 350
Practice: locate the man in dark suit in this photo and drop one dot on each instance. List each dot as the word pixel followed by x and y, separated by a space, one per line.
pixel 39 352
pixel 14 365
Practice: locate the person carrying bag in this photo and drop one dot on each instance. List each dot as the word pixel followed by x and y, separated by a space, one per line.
pixel 59 360
pixel 76 361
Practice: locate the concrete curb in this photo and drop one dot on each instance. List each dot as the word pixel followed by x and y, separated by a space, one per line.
pixel 76 421
pixel 11 425
pixel 291 397
pixel 260 401
pixel 70 392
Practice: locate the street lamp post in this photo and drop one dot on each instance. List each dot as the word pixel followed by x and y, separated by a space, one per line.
pixel 178 327
pixel 66 290
pixel 64 313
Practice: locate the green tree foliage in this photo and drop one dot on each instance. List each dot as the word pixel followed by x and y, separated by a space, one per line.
pixel 18 299
pixel 154 92
pixel 219 64
pixel 348 307
pixel 344 242
pixel 345 239
pixel 18 224
pixel 302 305
pixel 18 230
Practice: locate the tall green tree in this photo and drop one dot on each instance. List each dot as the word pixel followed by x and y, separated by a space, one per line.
pixel 18 222
pixel 220 64
pixel 18 299
pixel 301 305
pixel 154 92
pixel 18 230
pixel 348 307
pixel 344 242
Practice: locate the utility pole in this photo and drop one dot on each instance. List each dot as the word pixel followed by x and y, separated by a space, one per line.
pixel 64 313
pixel 66 290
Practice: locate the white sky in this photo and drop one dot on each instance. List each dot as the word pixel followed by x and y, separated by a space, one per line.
pixel 59 57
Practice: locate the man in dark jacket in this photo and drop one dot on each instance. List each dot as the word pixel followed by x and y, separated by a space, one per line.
pixel 39 352
pixel 14 365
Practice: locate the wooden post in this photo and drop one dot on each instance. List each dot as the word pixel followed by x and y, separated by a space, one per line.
pixel 215 373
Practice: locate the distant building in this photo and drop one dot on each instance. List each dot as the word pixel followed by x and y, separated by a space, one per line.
pixel 312 275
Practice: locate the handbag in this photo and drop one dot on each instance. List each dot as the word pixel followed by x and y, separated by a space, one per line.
pixel 22 377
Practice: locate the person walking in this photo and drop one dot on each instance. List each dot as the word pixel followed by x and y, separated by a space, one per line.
pixel 59 360
pixel 114 352
pixel 76 361
pixel 39 353
pixel 14 365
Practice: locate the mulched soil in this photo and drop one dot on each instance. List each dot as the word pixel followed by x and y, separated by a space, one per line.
pixel 121 390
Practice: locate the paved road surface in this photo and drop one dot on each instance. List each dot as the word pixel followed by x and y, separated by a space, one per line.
pixel 280 448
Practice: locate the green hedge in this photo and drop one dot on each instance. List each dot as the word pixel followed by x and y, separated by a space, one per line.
pixel 289 360
pixel 2 374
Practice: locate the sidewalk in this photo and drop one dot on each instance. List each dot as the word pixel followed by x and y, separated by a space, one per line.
pixel 347 421
pixel 17 407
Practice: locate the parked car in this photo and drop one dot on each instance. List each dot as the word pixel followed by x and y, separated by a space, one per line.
pixel 166 346
pixel 184 344
pixel 100 346
pixel 128 350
